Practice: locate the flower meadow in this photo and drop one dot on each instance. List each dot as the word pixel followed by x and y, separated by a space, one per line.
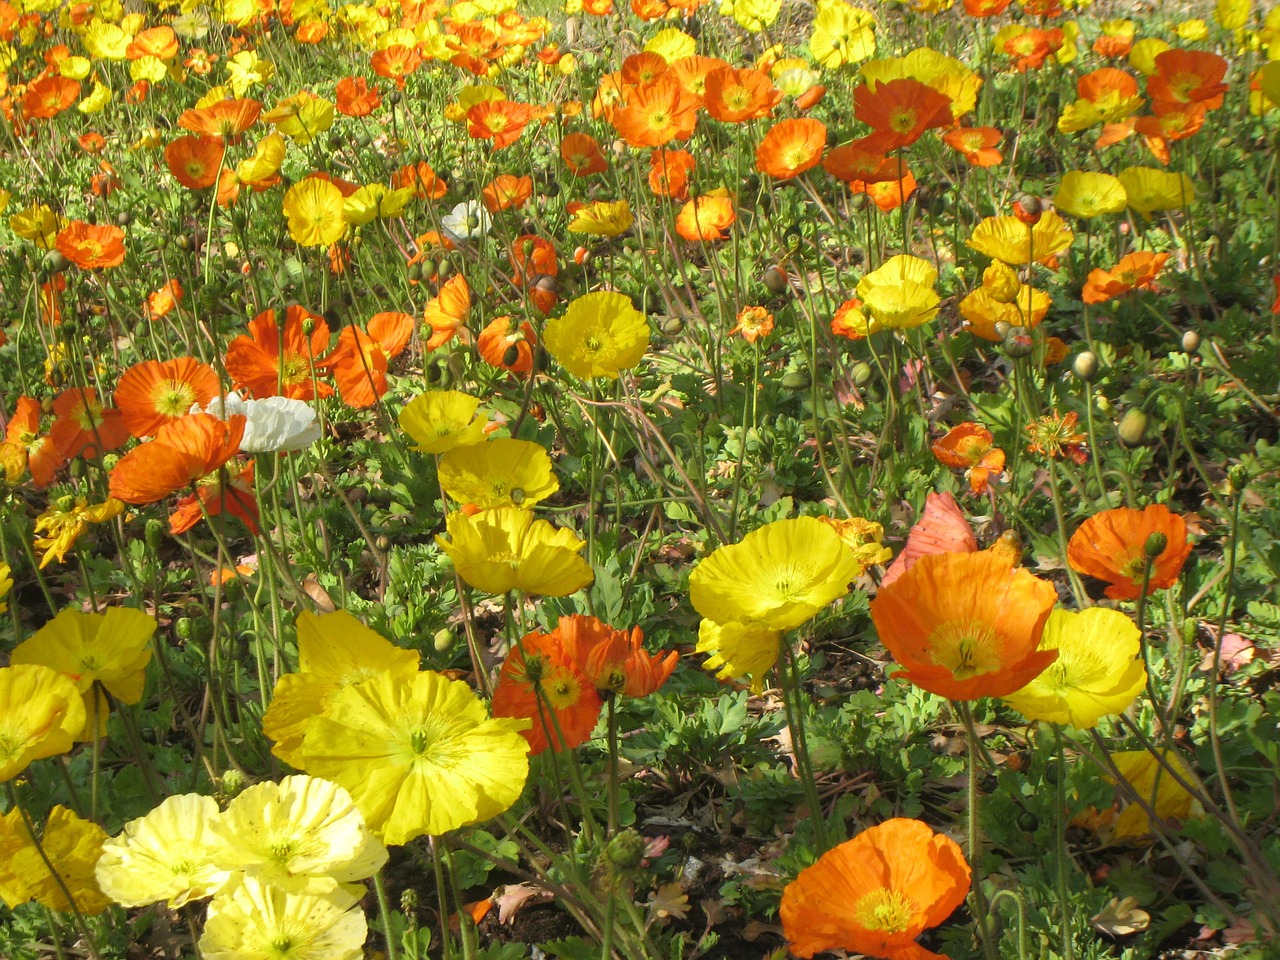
pixel 639 479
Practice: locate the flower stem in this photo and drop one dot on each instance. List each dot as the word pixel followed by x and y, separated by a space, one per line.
pixel 384 909
pixel 1060 838
pixel 790 676
pixel 978 904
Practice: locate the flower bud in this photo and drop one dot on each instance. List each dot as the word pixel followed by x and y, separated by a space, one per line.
pixel 1085 365
pixel 775 278
pixel 1133 427
pixel 1238 476
pixel 626 850
pixel 153 534
pixel 861 373
pixel 796 381
pixel 672 326
pixel 1190 341
pixel 1155 545
pixel 442 640
pixel 1018 342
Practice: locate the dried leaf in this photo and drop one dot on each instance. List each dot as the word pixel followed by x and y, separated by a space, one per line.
pixel 512 897
pixel 311 587
pixel 669 900
pixel 1120 918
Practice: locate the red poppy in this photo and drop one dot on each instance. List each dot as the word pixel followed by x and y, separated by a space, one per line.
pixel 899 111
pixel 854 163
pixel 791 147
pixel 532 257
pixel 1114 545
pixel 155 392
pixel 354 97
pixel 84 427
pixel 986 8
pixel 159 42
pixel 1032 47
pixel 183 452
pixel 1186 76
pixel 281 359
pixel 691 74
pixel 91 246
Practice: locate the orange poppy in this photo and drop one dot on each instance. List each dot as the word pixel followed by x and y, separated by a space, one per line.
pixel 360 360
pixel 941 528
pixel 734 96
pixel 24 445
pixel 849 320
pixel 354 98
pixel 887 195
pixel 976 144
pixel 508 344
pixel 195 161
pixel 92 142
pixel 214 493
pixel 183 452
pixel 540 681
pixel 105 182
pixel 753 323
pixel 91 246
pixel 162 302
pixel 1186 76
pixel 84 427
pixel 657 113
pixel 1112 546
pixel 447 311
pixel 966 625
pixel 1055 435
pixel 899 111
pixel 158 42
pixel 1175 123
pixel 532 257
pixel 615 661
pixel 691 74
pixel 643 68
pixel 506 192
pixel 501 121
pixel 706 218
pixel 875 894
pixel 1032 47
pixel 582 155
pixel 811 97
pixel 420 178
pixel 1104 82
pixel 155 392
pixel 986 8
pixel 47 97
pixel 396 62
pixel 791 147
pixel 226 119
pixel 281 359
pixel 669 173
pixel 854 163
pixel 1112 46
pixel 1136 271
pixel 971 447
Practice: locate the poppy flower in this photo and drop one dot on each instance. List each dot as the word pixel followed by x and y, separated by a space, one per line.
pixel 47 97
pixel 25 449
pixel 875 894
pixel 354 98
pixel 532 257
pixel 84 427
pixel 218 491
pixel 154 392
pixel 314 210
pixel 507 343
pixel 1087 195
pixel 669 173
pixel 970 447
pixel 976 144
pixel 224 120
pixel 941 528
pixel 1098 672
pixel 41 712
pixel 92 246
pixel 447 311
pixel 541 682
pixel 396 62
pixel 421 179
pixel 504 549
pixel 738 650
pixel 791 147
pixel 439 420
pixel 1143 772
pixel 753 323
pixel 1136 271
pixel 62 524
pixel 500 472
pixel 899 111
pixel 643 67
pixel 614 660
pixel 501 121
pixel 656 113
pixel 582 155
pixel 965 625
pixel 690 71
pixel 602 218
pixel 899 294
pixel 735 96
pixel 860 164
pixel 182 452
pixel 1010 240
pixel 280 359
pixel 1112 546
pixel 842 34
pixel 1030 47
pixel 195 161
pixel 1149 190
pixel 1055 435
pixel 251 918
pixel 359 362
pixel 69 845
pixel 159 42
pixel 1187 76
pixel 506 192
pixel 706 218
pixel 162 302
pixel 600 335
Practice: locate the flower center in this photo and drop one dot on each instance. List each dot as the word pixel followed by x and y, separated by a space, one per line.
pixel 884 909
pixel 968 648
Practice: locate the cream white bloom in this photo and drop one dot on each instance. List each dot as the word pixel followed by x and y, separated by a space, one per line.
pixel 272 425
pixel 467 220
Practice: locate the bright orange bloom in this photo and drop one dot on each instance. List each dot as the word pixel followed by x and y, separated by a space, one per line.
pixel 161 302
pixel 706 218
pixel 508 344
pixel 447 311
pixel 532 257
pixel 24 447
pixel 1175 123
pixel 582 155
pixel 507 192
pixel 92 142
pixel 985 8
pixel 182 453
pixel 976 144
pixel 84 427
pixel 791 147
pixel 1136 271
pixel 753 323
pixel 1186 76
pixel 615 661
pixel 888 195
pixel 1097 84
pixel 281 359
pixel 91 246
pixel 970 447
pixel 734 96
pixel 501 121
pixel 669 173
pixel 159 42
pixel 195 161
pixel 155 392
pixel 642 68
pixel 226 119
pixel 1032 47
pixel 214 494
pixel 1112 46
pixel 966 625
pixel 691 74
pixel 360 360
pixel 852 162
pixel 657 113
pixel 420 178
pixel 541 681
pixel 354 98
pixel 899 111
pixel 876 893
pixel 396 62
pixel 49 96
pixel 1112 546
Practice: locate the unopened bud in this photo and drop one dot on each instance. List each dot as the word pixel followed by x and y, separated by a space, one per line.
pixel 1133 427
pixel 153 534
pixel 1190 341
pixel 1085 365
pixel 442 640
pixel 626 850
pixel 1155 545
pixel 672 326
pixel 1238 476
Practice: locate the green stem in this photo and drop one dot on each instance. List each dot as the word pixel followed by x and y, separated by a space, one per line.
pixel 1060 837
pixel 978 905
pixel 791 702
pixel 384 910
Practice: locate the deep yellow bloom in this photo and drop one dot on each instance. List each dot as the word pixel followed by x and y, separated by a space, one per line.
pixel 375 202
pixel 506 549
pixel 603 218
pixel 600 335
pixel 1012 241
pixel 739 650
pixel 40 715
pixel 255 920
pixel 66 521
pixel 1168 798
pixel 842 34
pixel 71 844
pixel 6 584
pixel 899 294
pixel 498 473
pixel 1150 190
pixel 440 420
pixel 315 211
pixel 1087 195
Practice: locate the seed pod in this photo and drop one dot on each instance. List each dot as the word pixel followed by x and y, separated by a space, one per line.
pixel 797 381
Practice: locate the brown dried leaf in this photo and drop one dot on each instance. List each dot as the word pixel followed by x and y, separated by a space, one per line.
pixel 1120 918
